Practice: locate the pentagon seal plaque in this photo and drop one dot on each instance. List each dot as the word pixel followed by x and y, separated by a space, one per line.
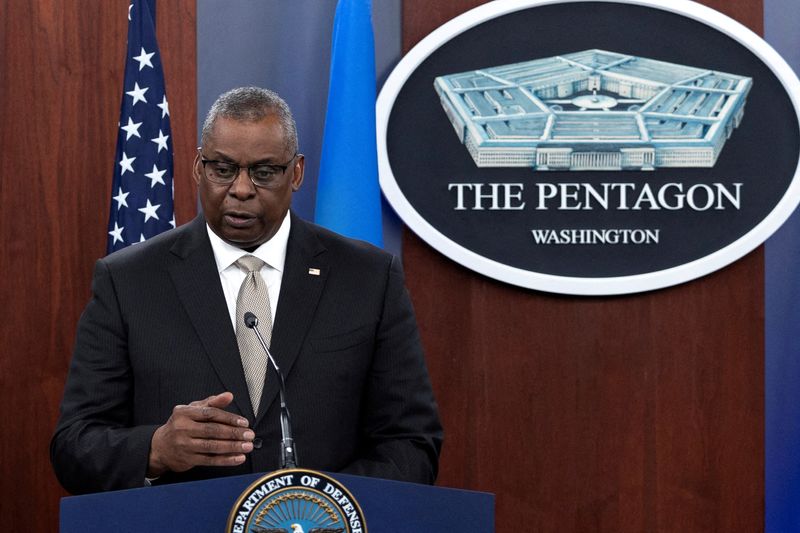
pixel 591 147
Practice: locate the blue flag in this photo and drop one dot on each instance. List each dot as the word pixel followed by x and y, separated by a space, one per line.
pixel 348 193
pixel 142 191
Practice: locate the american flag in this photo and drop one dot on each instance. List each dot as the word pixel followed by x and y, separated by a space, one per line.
pixel 141 195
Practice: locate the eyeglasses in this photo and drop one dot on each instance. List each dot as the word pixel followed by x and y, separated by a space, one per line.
pixel 225 173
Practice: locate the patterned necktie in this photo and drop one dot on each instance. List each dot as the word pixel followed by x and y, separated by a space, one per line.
pixel 253 297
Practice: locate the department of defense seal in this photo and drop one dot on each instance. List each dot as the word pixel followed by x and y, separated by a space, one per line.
pixel 296 501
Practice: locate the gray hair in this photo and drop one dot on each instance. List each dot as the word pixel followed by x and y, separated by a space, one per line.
pixel 252 104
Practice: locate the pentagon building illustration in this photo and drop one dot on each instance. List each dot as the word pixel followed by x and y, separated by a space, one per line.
pixel 594 110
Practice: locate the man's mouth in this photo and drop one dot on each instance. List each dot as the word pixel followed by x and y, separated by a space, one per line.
pixel 239 220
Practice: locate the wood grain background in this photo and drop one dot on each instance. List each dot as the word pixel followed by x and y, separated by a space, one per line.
pixel 61 73
pixel 641 413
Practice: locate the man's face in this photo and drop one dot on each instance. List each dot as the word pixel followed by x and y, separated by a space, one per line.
pixel 241 213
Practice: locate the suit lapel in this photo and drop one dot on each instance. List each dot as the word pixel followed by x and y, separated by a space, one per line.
pixel 305 272
pixel 194 273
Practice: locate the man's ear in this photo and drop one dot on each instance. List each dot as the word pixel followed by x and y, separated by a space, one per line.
pixel 197 168
pixel 299 169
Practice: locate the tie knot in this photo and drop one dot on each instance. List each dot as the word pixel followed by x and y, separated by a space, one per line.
pixel 250 263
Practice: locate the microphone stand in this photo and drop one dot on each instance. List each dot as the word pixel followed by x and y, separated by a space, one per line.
pixel 288 456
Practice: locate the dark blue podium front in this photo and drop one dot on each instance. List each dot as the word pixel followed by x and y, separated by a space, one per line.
pixel 203 506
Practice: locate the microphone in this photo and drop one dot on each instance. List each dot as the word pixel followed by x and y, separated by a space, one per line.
pixel 288 457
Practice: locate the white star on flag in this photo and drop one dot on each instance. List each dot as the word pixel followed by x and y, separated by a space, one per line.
pixel 131 129
pixel 138 93
pixel 121 199
pixel 137 204
pixel 149 211
pixel 126 163
pixel 156 176
pixel 161 140
pixel 117 233
pixel 144 59
pixel 164 105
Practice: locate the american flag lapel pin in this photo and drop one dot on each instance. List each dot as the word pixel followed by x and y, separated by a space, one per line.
pixel 313 271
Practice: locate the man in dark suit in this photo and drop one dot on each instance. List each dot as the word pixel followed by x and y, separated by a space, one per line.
pixel 158 390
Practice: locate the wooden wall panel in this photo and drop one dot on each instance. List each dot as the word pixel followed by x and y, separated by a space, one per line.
pixel 61 70
pixel 640 413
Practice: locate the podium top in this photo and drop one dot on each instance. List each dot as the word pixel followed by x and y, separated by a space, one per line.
pixel 204 506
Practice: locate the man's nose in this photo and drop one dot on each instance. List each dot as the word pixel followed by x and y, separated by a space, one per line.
pixel 242 186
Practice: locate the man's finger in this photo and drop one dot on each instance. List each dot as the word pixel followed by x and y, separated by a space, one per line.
pixel 219 447
pixel 220 400
pixel 212 430
pixel 207 413
pixel 218 460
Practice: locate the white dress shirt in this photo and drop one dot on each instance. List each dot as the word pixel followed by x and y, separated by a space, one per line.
pixel 272 252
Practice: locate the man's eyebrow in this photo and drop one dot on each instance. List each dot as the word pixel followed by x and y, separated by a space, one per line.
pixel 219 156
pixel 266 161
pixel 269 160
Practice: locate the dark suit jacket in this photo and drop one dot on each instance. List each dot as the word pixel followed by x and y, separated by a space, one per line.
pixel 157 333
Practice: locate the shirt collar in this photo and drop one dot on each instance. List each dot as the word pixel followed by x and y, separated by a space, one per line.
pixel 272 252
